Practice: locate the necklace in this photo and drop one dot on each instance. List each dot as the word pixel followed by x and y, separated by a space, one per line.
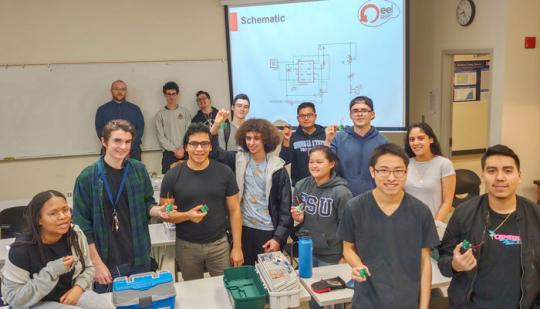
pixel 420 176
pixel 504 221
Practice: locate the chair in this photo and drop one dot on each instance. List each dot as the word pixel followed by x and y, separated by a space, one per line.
pixel 11 221
pixel 468 184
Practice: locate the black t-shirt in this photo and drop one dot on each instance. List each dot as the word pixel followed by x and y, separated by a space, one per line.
pixel 498 281
pixel 190 188
pixel 390 246
pixel 28 258
pixel 206 119
pixel 121 241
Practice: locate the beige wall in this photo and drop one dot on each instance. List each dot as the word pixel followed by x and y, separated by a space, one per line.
pixel 34 31
pixel 521 98
pixel 499 27
pixel 66 31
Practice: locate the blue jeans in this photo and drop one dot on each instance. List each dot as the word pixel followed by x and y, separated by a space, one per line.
pixel 119 271
pixel 317 263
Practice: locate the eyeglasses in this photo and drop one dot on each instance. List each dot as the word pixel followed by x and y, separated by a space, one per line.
pixel 195 145
pixel 306 116
pixel 57 215
pixel 386 173
pixel 361 111
pixel 171 94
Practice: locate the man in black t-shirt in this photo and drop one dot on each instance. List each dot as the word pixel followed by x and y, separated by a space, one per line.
pixel 204 192
pixel 388 234
pixel 500 269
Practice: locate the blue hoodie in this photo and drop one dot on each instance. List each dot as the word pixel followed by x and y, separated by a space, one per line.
pixel 354 152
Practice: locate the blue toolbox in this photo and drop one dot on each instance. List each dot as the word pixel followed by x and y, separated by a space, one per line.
pixel 146 290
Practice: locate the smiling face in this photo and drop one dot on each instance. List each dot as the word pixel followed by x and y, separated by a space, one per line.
pixel 118 145
pixel 55 217
pixel 203 101
pixel 306 118
pixel 420 142
pixel 501 177
pixel 361 114
pixel 389 173
pixel 198 147
pixel 319 165
pixel 240 108
pixel 254 143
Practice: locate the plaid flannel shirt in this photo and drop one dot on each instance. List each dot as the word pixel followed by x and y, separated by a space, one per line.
pixel 88 210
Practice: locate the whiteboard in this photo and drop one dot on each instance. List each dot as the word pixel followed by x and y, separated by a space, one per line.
pixel 49 110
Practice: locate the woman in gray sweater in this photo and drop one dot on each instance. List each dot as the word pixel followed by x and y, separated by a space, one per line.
pixel 323 196
pixel 49 266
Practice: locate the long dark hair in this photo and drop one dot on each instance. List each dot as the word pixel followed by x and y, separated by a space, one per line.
pixel 32 232
pixel 330 156
pixel 435 147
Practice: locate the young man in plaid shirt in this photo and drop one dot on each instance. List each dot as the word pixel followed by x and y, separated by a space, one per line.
pixel 112 202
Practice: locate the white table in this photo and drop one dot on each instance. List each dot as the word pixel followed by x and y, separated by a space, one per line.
pixel 207 293
pixel 344 271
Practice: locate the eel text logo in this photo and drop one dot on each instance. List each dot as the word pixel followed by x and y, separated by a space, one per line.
pixel 374 13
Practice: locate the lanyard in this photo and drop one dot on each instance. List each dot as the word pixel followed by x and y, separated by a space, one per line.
pixel 116 225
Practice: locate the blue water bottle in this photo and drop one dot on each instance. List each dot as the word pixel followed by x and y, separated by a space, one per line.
pixel 305 254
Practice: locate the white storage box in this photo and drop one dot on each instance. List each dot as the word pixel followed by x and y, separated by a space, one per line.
pixel 283 299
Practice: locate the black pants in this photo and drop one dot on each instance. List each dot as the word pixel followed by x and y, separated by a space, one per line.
pixel 168 159
pixel 252 241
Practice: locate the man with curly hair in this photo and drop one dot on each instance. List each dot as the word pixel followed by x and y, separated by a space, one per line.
pixel 265 188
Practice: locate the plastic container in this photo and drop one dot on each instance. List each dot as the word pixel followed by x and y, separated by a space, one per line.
pixel 147 290
pixel 284 299
pixel 244 287
pixel 305 256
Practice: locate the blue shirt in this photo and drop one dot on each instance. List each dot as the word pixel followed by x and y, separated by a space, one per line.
pixel 125 110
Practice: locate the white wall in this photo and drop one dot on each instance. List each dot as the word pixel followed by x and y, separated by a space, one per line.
pixel 74 31
pixel 521 97
pixel 34 31
pixel 499 26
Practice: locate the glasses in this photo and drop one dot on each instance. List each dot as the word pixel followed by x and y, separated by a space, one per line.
pixel 195 145
pixel 306 116
pixel 361 111
pixel 57 215
pixel 386 173
pixel 170 94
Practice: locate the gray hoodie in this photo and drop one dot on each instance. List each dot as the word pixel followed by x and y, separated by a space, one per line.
pixel 323 208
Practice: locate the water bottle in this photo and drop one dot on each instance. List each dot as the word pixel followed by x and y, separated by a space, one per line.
pixel 305 255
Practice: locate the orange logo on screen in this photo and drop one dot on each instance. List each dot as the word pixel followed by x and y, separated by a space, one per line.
pixel 233 22
pixel 374 13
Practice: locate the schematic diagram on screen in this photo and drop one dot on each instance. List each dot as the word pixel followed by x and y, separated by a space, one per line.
pixel 308 77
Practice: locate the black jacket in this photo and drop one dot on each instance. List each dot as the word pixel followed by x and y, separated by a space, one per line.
pixel 297 152
pixel 280 197
pixel 469 222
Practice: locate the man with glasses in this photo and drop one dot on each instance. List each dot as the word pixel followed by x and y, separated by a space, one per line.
pixel 354 145
pixel 120 108
pixel 387 238
pixel 491 247
pixel 295 146
pixel 171 124
pixel 205 194
pixel 207 113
